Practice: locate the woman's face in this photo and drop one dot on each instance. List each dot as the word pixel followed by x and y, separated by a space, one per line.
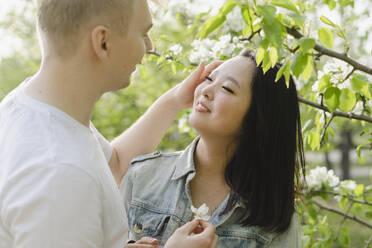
pixel 222 100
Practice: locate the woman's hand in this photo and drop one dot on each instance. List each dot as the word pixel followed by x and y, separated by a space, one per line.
pixel 183 93
pixel 145 242
pixel 196 234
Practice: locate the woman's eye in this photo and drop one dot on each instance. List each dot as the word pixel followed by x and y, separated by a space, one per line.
pixel 228 89
pixel 209 79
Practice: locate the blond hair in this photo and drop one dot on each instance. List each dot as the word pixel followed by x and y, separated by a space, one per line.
pixel 63 20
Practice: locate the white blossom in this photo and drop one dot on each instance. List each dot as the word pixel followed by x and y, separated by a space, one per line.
pixel 337 69
pixel 201 212
pixel 320 177
pixel 234 20
pixel 348 185
pixel 176 49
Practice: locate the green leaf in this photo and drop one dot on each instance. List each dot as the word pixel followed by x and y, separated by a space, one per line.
pixel 287 4
pixel 306 44
pixel 306 73
pixel 328 22
pixel 326 37
pixel 299 64
pixel 266 64
pixel 369 215
pixel 331 3
pixel 246 14
pixel 273 56
pixel 359 190
pixel 360 85
pixel 212 24
pixel 228 7
pixel 314 140
pixel 324 82
pixel 347 100
pixel 332 98
pixel 286 70
pixel 260 55
pixel 271 25
pixel 344 237
pixel 359 150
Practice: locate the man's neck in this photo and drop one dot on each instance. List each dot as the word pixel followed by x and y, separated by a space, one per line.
pixel 66 86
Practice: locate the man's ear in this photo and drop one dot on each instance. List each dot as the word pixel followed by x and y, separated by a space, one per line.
pixel 101 40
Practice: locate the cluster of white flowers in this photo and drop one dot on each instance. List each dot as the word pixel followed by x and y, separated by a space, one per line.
pixel 192 8
pixel 338 70
pixel 320 177
pixel 234 20
pixel 201 212
pixel 176 49
pixel 208 49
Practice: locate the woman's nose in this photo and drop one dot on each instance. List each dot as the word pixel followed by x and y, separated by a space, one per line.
pixel 207 92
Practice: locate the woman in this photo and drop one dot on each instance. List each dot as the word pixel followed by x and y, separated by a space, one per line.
pixel 244 166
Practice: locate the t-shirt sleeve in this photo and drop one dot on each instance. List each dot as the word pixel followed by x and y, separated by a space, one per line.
pixel 53 206
pixel 105 144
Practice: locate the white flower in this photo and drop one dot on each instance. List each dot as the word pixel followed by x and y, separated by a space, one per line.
pixel 234 20
pixel 337 69
pixel 319 177
pixel 348 185
pixel 176 49
pixel 201 212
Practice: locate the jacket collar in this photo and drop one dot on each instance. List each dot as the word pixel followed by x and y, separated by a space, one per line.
pixel 185 164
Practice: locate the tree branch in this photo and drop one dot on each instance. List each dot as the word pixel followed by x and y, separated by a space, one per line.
pixel 348 197
pixel 351 217
pixel 325 128
pixel 334 54
pixel 336 113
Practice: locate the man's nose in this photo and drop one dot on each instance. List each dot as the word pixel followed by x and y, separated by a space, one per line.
pixel 149 45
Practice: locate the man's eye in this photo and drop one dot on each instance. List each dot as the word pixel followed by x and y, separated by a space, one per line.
pixel 228 89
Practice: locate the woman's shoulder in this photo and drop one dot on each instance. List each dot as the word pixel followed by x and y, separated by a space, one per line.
pixel 291 237
pixel 156 160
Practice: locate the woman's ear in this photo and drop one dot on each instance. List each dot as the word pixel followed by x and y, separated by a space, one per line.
pixel 100 38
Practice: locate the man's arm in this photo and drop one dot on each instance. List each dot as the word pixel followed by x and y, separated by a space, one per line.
pixel 144 135
pixel 56 206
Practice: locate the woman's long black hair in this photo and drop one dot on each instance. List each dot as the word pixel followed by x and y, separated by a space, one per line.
pixel 264 171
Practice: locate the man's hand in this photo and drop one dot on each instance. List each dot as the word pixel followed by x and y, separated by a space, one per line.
pixel 184 92
pixel 144 242
pixel 196 234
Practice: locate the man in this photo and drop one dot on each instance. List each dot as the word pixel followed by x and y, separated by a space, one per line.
pixel 56 188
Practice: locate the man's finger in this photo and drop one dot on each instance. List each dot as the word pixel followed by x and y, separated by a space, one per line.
pixel 208 228
pixel 140 246
pixel 147 240
pixel 189 227
pixel 215 242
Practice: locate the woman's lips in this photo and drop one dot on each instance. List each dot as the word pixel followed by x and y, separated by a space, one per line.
pixel 200 107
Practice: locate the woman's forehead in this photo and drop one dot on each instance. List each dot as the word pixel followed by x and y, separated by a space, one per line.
pixel 241 68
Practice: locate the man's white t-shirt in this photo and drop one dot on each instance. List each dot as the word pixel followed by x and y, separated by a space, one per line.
pixel 56 188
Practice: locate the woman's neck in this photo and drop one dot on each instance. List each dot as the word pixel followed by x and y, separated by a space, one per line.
pixel 212 155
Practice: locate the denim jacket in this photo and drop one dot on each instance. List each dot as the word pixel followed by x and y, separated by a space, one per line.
pixel 157 198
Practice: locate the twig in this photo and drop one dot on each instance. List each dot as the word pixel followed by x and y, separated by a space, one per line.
pixel 325 128
pixel 343 220
pixel 251 36
pixel 348 75
pixel 348 197
pixel 336 113
pixel 368 242
pixel 325 51
pixel 351 217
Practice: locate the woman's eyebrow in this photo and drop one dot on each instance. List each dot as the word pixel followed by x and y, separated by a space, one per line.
pixel 233 80
pixel 228 77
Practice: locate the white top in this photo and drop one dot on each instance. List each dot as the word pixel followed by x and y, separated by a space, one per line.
pixel 56 188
